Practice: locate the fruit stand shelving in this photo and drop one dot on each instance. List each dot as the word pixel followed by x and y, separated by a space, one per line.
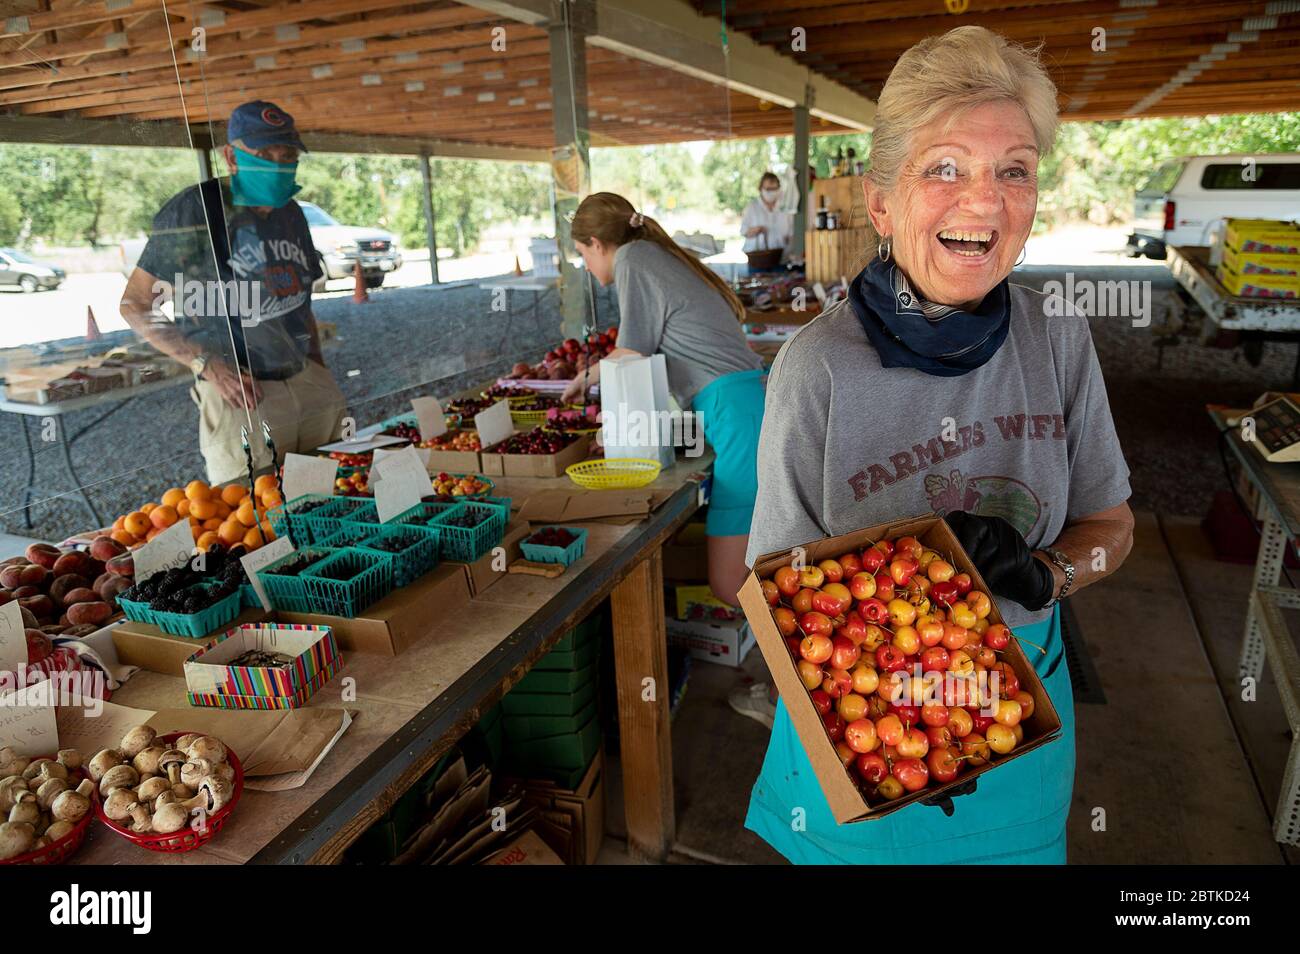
pixel 415 706
pixel 1267 637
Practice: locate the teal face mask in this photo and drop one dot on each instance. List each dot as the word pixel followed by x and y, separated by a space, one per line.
pixel 261 182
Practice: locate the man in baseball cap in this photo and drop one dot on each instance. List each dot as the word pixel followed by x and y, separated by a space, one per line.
pixel 253 347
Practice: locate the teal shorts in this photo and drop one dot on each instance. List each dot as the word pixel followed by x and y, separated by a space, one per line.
pixel 1016 815
pixel 730 410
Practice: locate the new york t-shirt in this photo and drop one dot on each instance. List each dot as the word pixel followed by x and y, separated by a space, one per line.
pixel 847 444
pixel 236 275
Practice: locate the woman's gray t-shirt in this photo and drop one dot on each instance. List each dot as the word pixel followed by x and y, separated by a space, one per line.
pixel 848 444
pixel 665 307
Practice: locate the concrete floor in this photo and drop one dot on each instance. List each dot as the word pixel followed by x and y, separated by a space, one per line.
pixel 1180 770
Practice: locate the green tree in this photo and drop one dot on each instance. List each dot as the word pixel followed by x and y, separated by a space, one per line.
pixel 11 218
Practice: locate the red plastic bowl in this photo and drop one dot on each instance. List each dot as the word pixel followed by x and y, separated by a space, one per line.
pixel 187 839
pixel 63 849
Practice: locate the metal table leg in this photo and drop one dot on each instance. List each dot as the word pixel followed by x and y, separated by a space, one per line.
pixel 1268 570
pixel 29 489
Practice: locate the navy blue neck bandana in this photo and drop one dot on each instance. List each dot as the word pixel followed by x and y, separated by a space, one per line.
pixel 908 332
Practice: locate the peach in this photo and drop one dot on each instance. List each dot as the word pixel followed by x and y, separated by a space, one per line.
pixel 74 561
pixel 101 580
pixel 92 613
pixel 113 588
pixel 34 574
pixel 42 606
pixel 29 618
pixel 53 629
pixel 83 594
pixel 63 585
pixel 43 554
pixel 105 548
pixel 123 565
pixel 5 596
pixel 24 592
pixel 11 577
pixel 17 560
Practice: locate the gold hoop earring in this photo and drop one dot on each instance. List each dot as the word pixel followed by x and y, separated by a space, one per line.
pixel 884 249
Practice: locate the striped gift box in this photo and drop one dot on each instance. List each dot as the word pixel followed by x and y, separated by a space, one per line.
pixel 212 680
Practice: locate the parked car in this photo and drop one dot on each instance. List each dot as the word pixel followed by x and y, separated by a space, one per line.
pixel 341 246
pixel 1184 198
pixel 22 270
pixel 338 247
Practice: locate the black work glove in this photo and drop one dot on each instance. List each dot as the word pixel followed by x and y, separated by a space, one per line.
pixel 943 801
pixel 1001 555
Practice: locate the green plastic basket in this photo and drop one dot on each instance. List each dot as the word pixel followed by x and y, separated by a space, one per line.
pixel 136 611
pixel 467 544
pixel 372 581
pixel 353 510
pixel 503 505
pixel 347 535
pixel 412 561
pixel 195 625
pixel 289 593
pixel 565 556
pixel 422 514
pixel 304 528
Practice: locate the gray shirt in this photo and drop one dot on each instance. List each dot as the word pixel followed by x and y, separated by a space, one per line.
pixel 848 444
pixel 665 308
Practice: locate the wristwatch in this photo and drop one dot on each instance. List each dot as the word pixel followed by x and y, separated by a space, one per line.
pixel 198 364
pixel 1062 561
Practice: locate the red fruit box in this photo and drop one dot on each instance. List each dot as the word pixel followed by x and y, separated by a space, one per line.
pixel 845 799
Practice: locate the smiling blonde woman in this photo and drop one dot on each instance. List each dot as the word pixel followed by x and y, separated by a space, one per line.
pixel 940 386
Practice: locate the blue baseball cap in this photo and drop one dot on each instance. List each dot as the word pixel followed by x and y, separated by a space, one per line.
pixel 259 123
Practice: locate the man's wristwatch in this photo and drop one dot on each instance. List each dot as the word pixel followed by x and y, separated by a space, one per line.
pixel 1062 561
pixel 198 364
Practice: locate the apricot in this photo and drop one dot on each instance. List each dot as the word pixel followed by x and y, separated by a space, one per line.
pixel 246 514
pixel 137 524
pixel 197 490
pixel 124 537
pixel 264 484
pixel 231 532
pixel 118 523
pixel 206 539
pixel 224 509
pixel 213 524
pixel 163 516
pixel 173 497
pixel 183 508
pixel 252 539
pixel 148 508
pixel 203 509
pixel 233 494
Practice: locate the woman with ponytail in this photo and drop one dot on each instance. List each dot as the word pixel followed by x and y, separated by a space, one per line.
pixel 669 303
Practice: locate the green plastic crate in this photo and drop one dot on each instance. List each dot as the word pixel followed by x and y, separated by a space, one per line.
pixel 588 629
pixel 560 681
pixel 289 593
pixel 347 598
pixel 418 557
pixel 518 703
pixel 525 727
pixel 567 752
pixel 560 660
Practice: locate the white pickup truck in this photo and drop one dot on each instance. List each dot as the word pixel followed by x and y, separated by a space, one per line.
pixel 338 248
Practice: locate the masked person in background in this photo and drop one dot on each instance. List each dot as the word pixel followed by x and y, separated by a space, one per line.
pixel 235 257
pixel 762 223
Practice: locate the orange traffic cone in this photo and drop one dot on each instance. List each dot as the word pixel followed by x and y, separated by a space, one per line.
pixel 92 329
pixel 359 294
pixel 518 270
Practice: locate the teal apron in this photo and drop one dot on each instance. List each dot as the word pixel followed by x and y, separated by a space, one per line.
pixel 730 410
pixel 1015 816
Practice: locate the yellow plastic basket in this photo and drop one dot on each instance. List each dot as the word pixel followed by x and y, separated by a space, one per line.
pixel 622 473
pixel 523 419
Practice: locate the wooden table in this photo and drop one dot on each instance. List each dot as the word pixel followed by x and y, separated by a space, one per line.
pixel 1267 636
pixel 414 707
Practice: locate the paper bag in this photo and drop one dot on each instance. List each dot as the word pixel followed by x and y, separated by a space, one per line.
pixel 636 419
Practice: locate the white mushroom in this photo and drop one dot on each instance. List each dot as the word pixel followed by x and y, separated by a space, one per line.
pixel 170 763
pixel 26 809
pixel 151 788
pixel 119 776
pixel 164 798
pixel 71 806
pixel 146 760
pixel 11 763
pixel 9 789
pixel 182 791
pixel 170 817
pixel 117 805
pixel 59 830
pixel 143 824
pixel 186 740
pixel 49 791
pixel 206 747
pixel 43 769
pixel 195 771
pixel 103 760
pixel 70 759
pixel 16 838
pixel 135 740
pixel 213 795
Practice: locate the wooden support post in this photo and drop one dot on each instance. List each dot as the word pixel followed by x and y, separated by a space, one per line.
pixel 641 673
pixel 426 177
pixel 801 133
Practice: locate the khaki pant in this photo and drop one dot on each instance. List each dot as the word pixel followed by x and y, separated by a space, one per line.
pixel 304 412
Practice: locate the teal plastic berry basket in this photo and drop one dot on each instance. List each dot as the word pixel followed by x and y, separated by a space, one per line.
pixel 195 625
pixel 370 579
pixel 565 556
pixel 347 535
pixel 248 597
pixel 467 544
pixel 423 514
pixel 304 526
pixel 288 591
pixel 351 510
pixel 417 555
pixel 136 611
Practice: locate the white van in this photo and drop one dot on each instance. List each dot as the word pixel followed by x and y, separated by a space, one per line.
pixel 1185 197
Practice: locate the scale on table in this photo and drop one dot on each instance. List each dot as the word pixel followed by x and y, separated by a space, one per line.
pixel 1277 430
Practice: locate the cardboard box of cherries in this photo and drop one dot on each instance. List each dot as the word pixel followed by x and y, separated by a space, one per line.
pixel 900 678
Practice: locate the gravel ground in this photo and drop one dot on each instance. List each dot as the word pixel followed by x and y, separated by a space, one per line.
pixel 450 335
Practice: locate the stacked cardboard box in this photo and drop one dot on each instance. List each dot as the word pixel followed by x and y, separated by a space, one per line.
pixel 1261 259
